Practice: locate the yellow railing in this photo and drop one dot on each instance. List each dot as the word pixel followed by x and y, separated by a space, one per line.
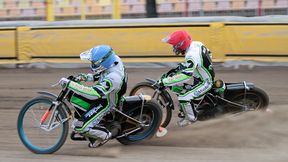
pixel 50 10
pixel 116 9
pixel 83 9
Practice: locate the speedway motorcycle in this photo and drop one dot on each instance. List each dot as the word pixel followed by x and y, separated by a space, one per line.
pixel 43 122
pixel 223 98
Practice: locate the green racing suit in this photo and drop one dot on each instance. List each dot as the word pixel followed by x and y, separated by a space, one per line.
pixel 198 65
pixel 97 101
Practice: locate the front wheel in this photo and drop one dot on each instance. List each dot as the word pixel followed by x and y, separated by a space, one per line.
pixel 43 137
pixel 146 88
pixel 151 118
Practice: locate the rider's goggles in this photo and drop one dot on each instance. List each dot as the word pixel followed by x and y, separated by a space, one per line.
pixel 96 65
pixel 176 47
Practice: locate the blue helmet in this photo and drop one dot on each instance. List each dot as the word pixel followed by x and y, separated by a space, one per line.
pixel 102 57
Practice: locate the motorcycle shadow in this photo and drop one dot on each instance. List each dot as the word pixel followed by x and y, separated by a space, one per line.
pixel 111 150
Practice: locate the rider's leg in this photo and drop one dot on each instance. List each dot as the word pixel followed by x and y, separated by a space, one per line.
pixel 89 121
pixel 190 114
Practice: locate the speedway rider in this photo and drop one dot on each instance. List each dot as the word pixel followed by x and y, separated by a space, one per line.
pixel 110 73
pixel 198 65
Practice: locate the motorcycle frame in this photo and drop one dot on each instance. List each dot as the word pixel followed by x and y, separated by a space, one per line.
pixel 60 101
pixel 243 107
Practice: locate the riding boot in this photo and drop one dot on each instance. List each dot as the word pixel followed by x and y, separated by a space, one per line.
pixel 98 135
pixel 99 132
pixel 190 115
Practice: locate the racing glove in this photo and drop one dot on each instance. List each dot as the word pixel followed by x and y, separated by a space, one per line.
pixel 87 77
pixel 159 84
pixel 64 82
pixel 81 78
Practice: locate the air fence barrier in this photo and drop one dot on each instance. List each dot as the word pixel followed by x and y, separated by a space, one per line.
pixel 140 40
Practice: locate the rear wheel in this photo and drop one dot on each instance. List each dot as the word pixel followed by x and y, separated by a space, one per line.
pixel 151 118
pixel 146 88
pixel 255 99
pixel 37 137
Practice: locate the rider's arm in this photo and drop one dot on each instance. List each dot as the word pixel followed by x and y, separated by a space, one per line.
pixel 181 76
pixel 171 72
pixel 101 89
pixel 87 92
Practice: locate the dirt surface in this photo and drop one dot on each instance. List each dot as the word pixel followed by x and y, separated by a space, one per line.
pixel 253 136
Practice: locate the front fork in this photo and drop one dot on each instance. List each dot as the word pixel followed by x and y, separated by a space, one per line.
pixel 55 119
pixel 156 95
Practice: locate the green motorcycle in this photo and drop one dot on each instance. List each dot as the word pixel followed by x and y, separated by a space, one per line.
pixel 223 98
pixel 43 122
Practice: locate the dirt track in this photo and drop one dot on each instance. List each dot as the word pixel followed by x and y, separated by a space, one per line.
pixel 254 136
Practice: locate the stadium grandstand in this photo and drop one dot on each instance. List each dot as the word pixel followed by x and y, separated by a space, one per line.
pixel 96 9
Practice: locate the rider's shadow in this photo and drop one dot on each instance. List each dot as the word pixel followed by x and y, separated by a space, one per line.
pixel 111 150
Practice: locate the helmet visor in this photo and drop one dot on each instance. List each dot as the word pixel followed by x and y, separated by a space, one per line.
pixel 86 55
pixel 166 39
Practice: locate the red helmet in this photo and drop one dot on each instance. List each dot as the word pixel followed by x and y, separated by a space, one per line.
pixel 180 40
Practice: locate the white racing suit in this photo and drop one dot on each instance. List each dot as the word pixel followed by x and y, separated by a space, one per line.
pixel 198 65
pixel 104 96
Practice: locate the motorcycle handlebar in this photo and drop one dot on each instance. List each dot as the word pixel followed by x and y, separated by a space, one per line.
pixel 155 84
pixel 71 77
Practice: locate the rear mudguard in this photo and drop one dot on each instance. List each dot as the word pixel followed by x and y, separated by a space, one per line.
pixel 233 88
pixel 134 101
pixel 239 86
pixel 131 101
pixel 164 92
